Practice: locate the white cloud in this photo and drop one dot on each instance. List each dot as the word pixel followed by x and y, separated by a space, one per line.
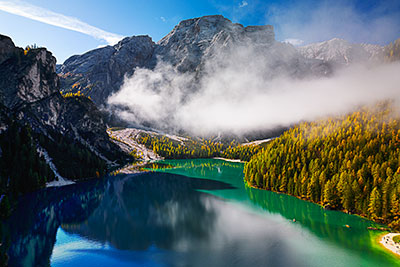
pixel 246 89
pixel 142 95
pixel 163 19
pixel 49 17
pixel 294 41
pixel 243 4
pixel 240 102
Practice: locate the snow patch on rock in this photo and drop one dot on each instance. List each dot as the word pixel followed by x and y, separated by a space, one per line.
pixel 61 181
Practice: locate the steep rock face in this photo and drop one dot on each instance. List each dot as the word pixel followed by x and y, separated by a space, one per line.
pixel 27 78
pixel 29 92
pixel 193 46
pixel 100 72
pixel 193 41
pixel 342 52
pixel 7 48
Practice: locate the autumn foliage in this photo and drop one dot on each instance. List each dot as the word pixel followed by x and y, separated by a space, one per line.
pixel 349 163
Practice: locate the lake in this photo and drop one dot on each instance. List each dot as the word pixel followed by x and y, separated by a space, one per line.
pixel 198 213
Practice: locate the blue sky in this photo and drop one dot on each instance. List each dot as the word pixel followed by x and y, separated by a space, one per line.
pixel 75 26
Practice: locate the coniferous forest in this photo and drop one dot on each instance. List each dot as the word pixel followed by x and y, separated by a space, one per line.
pixel 349 163
pixel 191 148
pixel 23 169
pixel 74 160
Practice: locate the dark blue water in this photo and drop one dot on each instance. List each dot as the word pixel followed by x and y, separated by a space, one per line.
pixel 203 218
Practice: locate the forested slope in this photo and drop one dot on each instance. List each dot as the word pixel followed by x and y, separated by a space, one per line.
pixel 191 148
pixel 349 163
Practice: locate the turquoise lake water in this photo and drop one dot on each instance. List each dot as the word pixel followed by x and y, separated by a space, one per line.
pixel 198 213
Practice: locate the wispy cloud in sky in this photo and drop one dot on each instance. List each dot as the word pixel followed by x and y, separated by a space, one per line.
pixel 52 18
pixel 243 4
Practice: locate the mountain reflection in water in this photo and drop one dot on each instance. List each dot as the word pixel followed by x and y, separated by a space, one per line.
pixel 139 213
pixel 205 218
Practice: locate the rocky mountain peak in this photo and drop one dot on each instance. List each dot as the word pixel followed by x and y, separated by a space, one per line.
pixel 125 49
pixel 214 19
pixel 205 29
pixel 133 41
pixel 191 47
pixel 131 50
pixel 26 77
pixel 205 21
pixel 7 48
pixel 102 70
pixel 193 41
pixel 341 52
pixel 199 29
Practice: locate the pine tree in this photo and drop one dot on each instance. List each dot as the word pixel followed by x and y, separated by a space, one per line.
pixel 375 205
pixel 330 195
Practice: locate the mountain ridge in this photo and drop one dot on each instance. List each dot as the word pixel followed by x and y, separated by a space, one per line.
pixel 194 52
pixel 342 52
pixel 187 48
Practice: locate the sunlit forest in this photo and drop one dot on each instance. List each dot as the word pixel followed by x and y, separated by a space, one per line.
pixel 349 163
pixel 192 148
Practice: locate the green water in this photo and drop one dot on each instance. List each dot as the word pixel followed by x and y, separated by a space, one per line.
pixel 198 213
pixel 320 235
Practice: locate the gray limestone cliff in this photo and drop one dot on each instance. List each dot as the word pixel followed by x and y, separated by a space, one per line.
pixel 189 47
pixel 99 72
pixel 29 94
